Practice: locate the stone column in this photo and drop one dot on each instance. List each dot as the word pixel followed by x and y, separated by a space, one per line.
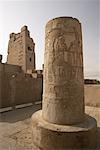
pixel 63 93
pixel 62 123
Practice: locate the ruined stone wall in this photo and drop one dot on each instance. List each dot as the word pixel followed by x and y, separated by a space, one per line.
pixel 17 87
pixel 6 74
pixel 28 89
pixel 92 95
pixel 21 50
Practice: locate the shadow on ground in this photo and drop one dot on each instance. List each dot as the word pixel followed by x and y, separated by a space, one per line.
pixel 19 114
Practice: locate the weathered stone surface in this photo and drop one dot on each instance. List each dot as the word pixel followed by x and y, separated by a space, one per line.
pixel 62 124
pixel 63 92
pixel 48 136
pixel 17 88
pixel 21 50
pixel 92 95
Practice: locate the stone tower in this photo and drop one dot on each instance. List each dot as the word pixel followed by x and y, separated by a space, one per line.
pixel 62 123
pixel 21 50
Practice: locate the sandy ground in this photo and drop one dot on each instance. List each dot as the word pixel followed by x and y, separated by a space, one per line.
pixel 15 129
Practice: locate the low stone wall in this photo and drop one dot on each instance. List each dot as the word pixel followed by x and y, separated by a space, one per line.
pixel 20 90
pixel 92 95
pixel 17 88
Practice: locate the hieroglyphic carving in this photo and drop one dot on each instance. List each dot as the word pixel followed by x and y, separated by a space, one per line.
pixel 75 59
pixel 63 68
pixel 61 50
pixel 76 73
pixel 59 44
pixel 61 53
pixel 57 92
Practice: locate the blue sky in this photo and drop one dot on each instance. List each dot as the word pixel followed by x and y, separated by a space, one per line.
pixel 35 14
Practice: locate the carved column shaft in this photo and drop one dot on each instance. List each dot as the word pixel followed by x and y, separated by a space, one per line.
pixel 63 91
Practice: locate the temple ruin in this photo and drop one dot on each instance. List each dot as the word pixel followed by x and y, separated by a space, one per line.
pixel 22 81
pixel 62 123
pixel 21 50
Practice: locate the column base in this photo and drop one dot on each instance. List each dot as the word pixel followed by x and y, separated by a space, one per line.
pixel 47 136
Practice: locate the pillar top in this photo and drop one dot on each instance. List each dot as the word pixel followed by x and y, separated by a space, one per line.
pixel 63 18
